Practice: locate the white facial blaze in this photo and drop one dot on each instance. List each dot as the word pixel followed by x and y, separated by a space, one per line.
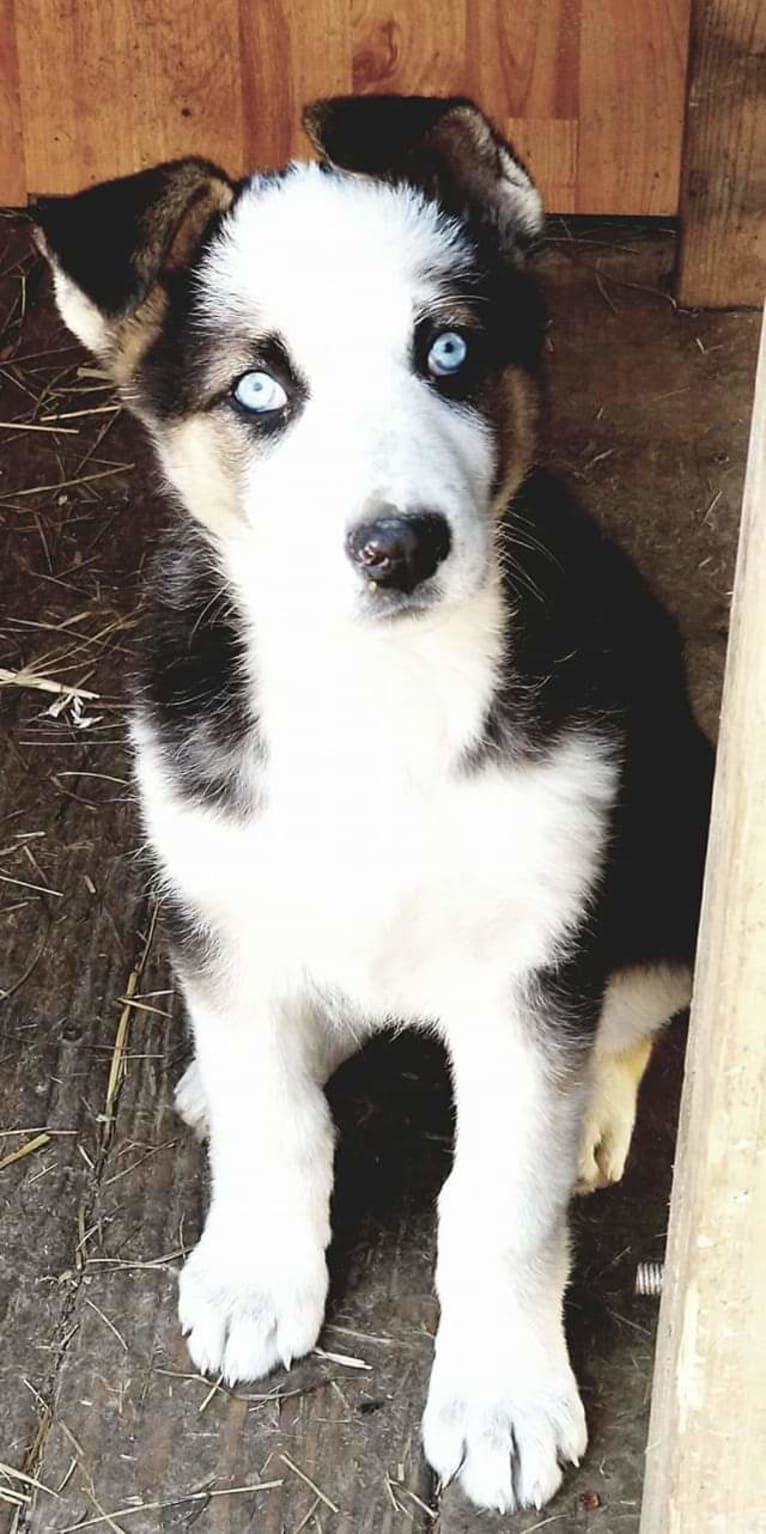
pixel 341 269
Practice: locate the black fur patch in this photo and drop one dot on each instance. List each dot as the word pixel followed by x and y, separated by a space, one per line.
pixel 192 680
pixel 194 946
pixel 113 239
pixel 445 145
pixel 590 648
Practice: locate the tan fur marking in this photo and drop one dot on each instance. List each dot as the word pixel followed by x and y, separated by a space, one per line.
pixel 203 459
pixel 134 335
pixel 174 223
pixel 514 410
pixel 214 196
pixel 172 230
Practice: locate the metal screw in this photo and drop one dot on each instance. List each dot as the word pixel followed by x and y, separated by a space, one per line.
pixel 649 1278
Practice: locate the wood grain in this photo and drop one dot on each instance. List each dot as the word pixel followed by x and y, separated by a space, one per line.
pixel 523 59
pixel 293 53
pixel 632 69
pixel 408 47
pixel 548 147
pixel 13 176
pixel 593 89
pixel 706 1468
pixel 126 83
pixel 723 201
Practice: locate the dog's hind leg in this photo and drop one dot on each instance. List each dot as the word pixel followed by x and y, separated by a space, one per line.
pixel 637 1003
pixel 611 1114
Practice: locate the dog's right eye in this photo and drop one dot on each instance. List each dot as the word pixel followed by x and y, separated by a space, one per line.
pixel 259 393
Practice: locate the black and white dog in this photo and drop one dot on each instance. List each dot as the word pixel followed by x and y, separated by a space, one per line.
pixel 412 737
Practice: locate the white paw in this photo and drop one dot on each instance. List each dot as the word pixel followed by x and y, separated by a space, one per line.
pixel 191 1102
pixel 247 1307
pixel 502 1431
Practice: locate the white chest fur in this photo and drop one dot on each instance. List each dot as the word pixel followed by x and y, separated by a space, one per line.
pixel 373 868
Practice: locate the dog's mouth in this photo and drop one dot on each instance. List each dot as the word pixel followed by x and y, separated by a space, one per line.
pixel 380 602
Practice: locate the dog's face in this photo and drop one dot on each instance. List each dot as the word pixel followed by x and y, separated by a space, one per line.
pixel 335 363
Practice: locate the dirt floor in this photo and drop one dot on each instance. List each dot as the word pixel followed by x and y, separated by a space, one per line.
pixel 103 1423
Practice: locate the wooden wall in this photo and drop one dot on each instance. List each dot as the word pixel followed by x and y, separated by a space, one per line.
pixel 723 193
pixel 591 91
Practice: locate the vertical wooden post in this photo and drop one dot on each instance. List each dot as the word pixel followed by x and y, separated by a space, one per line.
pixel 722 259
pixel 706 1456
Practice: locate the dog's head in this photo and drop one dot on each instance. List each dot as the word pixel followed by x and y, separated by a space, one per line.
pixel 336 363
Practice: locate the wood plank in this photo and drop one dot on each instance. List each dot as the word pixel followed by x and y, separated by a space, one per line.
pixel 723 197
pixel 126 83
pixel 548 147
pixel 292 53
pixel 68 882
pixel 523 59
pixel 706 1468
pixel 55 1034
pixel 522 65
pixel 13 176
pixel 632 79
pixel 130 82
pixel 409 47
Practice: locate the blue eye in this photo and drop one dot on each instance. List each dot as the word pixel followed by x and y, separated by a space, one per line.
pixel 447 354
pixel 259 393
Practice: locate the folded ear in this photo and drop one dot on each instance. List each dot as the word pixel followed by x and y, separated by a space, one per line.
pixel 447 146
pixel 111 245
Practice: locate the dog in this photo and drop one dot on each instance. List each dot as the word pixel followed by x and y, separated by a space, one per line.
pixel 412 737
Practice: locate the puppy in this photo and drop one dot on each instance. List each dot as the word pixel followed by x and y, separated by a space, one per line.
pixel 412 737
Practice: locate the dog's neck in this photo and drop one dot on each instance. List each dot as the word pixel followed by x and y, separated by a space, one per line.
pixel 407 694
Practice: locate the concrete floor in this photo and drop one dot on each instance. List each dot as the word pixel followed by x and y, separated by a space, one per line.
pixel 648 417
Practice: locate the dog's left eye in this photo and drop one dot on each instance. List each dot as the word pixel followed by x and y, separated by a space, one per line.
pixel 447 355
pixel 259 393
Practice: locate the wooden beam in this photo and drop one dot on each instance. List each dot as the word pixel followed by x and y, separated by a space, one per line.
pixel 706 1466
pixel 723 185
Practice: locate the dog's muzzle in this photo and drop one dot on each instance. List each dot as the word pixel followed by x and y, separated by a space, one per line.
pixel 400 552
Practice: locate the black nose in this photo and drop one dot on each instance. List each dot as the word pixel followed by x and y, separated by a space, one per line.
pixel 399 552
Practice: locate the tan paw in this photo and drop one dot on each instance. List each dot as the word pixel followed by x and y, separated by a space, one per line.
pixel 604 1151
pixel 611 1115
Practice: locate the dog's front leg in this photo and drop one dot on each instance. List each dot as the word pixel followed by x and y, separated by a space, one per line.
pixel 252 1293
pixel 503 1406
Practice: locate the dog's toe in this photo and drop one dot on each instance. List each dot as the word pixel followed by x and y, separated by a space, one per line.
pixel 242 1316
pixel 504 1438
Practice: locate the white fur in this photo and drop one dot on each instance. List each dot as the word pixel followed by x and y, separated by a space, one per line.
pixel 519 202
pixel 77 311
pixel 638 1001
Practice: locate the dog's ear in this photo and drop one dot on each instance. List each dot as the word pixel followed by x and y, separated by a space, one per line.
pixel 447 146
pixel 110 246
